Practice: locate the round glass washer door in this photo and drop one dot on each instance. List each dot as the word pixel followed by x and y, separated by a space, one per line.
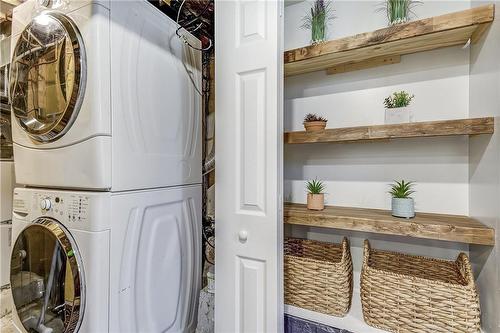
pixel 48 76
pixel 47 279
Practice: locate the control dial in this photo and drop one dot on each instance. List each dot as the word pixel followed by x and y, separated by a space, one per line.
pixel 44 3
pixel 45 204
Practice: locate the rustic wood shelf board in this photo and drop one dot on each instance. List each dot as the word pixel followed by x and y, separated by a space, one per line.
pixel 472 126
pixel 417 36
pixel 369 63
pixel 455 228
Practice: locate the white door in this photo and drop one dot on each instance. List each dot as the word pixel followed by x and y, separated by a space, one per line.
pixel 248 204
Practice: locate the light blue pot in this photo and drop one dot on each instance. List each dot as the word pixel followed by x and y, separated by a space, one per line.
pixel 403 207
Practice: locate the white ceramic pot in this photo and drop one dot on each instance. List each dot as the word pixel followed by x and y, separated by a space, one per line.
pixel 399 115
pixel 403 207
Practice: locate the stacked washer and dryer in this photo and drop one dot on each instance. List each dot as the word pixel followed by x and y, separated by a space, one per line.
pixel 106 116
pixel 6 175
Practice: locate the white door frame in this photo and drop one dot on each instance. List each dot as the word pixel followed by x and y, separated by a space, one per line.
pixel 249 166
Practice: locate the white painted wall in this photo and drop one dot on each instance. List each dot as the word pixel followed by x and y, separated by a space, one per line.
pixel 484 194
pixel 356 16
pixel 358 174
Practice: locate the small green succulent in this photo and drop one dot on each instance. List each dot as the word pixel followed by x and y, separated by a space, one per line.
pixel 398 99
pixel 313 117
pixel 315 186
pixel 402 189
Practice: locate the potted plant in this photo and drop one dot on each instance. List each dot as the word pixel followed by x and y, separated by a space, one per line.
pixel 314 123
pixel 397 108
pixel 402 204
pixel 315 195
pixel 398 11
pixel 317 20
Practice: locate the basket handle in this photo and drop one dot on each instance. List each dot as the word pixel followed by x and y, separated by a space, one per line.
pixel 345 248
pixel 465 268
pixel 366 252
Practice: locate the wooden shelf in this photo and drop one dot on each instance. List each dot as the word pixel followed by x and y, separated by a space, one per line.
pixel 383 132
pixel 384 46
pixel 455 228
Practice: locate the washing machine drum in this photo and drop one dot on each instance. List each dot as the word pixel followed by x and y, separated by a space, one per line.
pixel 47 78
pixel 47 278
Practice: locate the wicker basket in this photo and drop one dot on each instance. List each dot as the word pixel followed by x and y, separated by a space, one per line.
pixel 403 293
pixel 318 276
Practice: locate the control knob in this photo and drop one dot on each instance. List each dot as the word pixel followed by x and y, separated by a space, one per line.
pixel 44 3
pixel 45 204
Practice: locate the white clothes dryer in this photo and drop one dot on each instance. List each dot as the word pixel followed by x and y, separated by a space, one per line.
pixel 105 96
pixel 106 262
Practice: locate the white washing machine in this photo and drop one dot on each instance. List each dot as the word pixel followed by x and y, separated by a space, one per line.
pixel 105 96
pixel 95 262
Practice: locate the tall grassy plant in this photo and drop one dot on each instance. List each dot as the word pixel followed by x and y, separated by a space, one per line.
pixel 399 11
pixel 317 20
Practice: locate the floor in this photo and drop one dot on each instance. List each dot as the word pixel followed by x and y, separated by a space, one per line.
pixel 6 324
pixel 292 324
pixel 299 325
pixel 5 308
pixel 206 312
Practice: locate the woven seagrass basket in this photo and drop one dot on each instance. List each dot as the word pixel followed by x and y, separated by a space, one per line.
pixel 318 276
pixel 402 293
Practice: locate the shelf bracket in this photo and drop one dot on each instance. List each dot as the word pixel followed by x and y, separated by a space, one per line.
pixel 467 44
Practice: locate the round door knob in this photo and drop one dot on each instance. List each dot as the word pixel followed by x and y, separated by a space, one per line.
pixel 45 204
pixel 243 236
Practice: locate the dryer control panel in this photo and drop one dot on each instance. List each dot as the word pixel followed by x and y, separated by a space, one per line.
pixel 70 208
pixel 80 210
pixel 65 207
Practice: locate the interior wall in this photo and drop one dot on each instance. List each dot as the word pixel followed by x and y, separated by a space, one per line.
pixel 358 174
pixel 353 17
pixel 484 169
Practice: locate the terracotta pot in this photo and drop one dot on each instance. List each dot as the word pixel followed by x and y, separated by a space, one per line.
pixel 314 126
pixel 316 201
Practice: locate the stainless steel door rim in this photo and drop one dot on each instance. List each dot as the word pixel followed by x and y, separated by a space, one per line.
pixel 47 278
pixel 48 76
